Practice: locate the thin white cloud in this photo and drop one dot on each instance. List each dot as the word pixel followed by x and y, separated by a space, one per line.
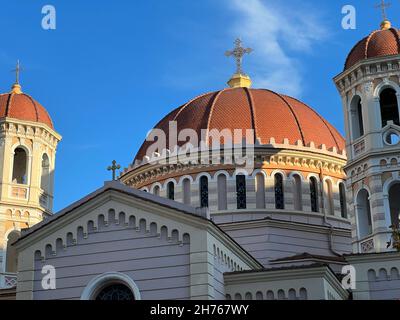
pixel 277 33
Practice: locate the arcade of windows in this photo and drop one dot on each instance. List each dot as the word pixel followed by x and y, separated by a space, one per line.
pixel 241 192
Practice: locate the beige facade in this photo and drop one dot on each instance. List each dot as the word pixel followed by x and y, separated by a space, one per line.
pixel 27 164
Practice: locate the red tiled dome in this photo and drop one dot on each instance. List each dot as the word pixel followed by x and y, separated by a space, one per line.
pixel 378 44
pixel 270 114
pixel 23 107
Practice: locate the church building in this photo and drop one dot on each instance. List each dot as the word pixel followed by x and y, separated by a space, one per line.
pixel 309 214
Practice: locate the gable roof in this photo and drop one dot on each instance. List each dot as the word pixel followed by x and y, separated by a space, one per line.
pixel 116 186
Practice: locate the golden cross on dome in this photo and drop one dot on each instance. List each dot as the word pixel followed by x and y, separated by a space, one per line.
pixel 114 168
pixel 17 71
pixel 383 7
pixel 238 53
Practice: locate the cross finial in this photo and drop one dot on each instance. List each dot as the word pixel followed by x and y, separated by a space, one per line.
pixel 114 168
pixel 17 71
pixel 383 7
pixel 16 88
pixel 238 53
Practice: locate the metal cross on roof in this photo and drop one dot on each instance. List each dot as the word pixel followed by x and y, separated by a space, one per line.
pixel 238 52
pixel 114 168
pixel 17 71
pixel 383 7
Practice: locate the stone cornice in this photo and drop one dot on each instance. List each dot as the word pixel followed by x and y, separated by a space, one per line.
pixel 29 129
pixel 369 69
pixel 373 257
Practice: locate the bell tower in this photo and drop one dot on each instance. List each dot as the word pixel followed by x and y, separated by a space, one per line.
pixel 28 145
pixel 370 92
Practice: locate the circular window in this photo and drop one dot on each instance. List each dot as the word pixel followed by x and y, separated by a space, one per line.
pixel 115 292
pixel 392 138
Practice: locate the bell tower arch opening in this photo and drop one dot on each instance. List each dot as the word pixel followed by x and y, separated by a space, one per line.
pixel 389 107
pixel 356 121
pixel 20 166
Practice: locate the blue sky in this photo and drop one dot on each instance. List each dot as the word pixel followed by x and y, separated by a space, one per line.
pixel 112 69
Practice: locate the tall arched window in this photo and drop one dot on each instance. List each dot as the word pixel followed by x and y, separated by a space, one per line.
pixel 389 107
pixel 328 193
pixel 156 190
pixel 356 114
pixel 20 166
pixel 343 201
pixel 314 194
pixel 222 192
pixel 11 253
pixel 204 192
pixel 364 218
pixel 279 195
pixel 186 191
pixel 241 191
pixel 45 179
pixel 260 191
pixel 171 190
pixel 394 200
pixel 297 192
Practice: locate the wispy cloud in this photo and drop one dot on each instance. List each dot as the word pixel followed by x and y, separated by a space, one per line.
pixel 277 32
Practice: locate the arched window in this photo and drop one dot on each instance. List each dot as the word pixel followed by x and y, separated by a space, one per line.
pixel 186 191
pixel 297 193
pixel 303 294
pixel 260 191
pixel 364 218
pixel 356 114
pixel 292 294
pixel 281 295
pixel 204 192
pixel 171 190
pixel 20 166
pixel 389 107
pixel 329 204
pixel 222 192
pixel 270 295
pixel 115 292
pixel 11 253
pixel 314 194
pixel 279 195
pixel 156 190
pixel 394 200
pixel 343 201
pixel 241 191
pixel 45 179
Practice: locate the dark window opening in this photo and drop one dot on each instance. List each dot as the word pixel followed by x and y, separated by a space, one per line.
pixel 279 196
pixel 204 192
pixel 241 192
pixel 389 107
pixel 314 194
pixel 171 190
